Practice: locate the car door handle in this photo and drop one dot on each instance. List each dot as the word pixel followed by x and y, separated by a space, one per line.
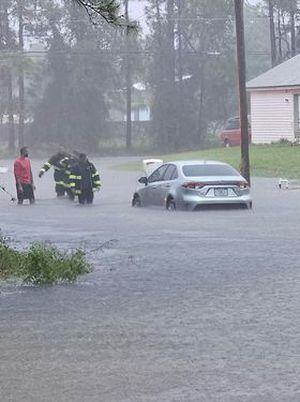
pixel 167 185
pixel 153 188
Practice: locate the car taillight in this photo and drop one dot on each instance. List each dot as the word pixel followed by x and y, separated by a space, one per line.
pixel 193 185
pixel 243 184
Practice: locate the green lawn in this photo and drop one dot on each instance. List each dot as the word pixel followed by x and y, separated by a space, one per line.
pixel 266 160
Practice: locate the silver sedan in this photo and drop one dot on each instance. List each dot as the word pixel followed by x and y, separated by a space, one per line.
pixel 191 184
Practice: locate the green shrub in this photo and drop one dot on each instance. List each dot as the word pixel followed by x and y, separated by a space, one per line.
pixel 42 264
pixel 9 261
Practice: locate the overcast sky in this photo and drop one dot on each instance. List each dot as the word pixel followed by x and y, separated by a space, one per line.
pixel 137 8
pixel 137 11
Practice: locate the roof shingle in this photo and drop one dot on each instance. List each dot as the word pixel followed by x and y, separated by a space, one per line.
pixel 286 74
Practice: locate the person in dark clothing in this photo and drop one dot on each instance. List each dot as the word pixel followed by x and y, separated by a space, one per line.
pixel 84 180
pixel 68 162
pixel 24 178
pixel 60 163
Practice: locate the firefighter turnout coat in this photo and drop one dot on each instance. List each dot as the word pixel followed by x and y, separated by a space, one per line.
pixel 59 162
pixel 83 176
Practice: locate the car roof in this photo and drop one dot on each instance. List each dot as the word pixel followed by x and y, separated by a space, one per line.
pixel 197 162
pixel 237 118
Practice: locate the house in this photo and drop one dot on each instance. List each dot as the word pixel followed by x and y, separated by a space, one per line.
pixel 140 105
pixel 275 103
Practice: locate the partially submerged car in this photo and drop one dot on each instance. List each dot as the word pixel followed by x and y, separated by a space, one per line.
pixel 191 184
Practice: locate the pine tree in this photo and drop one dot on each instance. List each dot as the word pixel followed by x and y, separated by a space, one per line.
pixel 109 10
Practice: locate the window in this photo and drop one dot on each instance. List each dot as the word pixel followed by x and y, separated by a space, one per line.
pixel 158 174
pixel 175 174
pixel 171 173
pixel 233 124
pixel 297 111
pixel 208 170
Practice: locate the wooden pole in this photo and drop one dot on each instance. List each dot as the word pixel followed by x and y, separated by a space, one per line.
pixel 241 67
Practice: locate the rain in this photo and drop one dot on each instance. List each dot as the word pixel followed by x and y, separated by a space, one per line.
pixel 149 200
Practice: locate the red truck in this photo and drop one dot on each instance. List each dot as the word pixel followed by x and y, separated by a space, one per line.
pixel 231 134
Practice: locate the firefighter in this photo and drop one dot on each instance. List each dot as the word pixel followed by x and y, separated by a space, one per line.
pixel 68 162
pixel 84 180
pixel 59 161
pixel 24 178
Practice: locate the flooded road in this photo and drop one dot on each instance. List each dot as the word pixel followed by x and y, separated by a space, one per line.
pixel 180 306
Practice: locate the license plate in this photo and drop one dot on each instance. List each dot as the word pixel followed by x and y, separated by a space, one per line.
pixel 221 192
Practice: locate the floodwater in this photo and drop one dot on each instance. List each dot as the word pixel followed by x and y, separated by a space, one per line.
pixel 180 306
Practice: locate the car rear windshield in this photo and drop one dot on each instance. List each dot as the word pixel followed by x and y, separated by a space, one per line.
pixel 208 170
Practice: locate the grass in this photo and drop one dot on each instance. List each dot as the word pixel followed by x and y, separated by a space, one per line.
pixel 41 264
pixel 266 160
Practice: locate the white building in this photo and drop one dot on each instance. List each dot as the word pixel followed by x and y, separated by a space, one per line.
pixel 275 103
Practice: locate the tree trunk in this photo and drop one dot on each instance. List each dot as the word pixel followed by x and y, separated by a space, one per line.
pixel 279 36
pixel 171 39
pixel 169 77
pixel 21 84
pixel 201 105
pixel 293 30
pixel 180 95
pixel 7 37
pixel 272 34
pixel 10 108
pixel 158 121
pixel 128 82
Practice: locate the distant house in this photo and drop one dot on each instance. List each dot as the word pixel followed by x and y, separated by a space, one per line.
pixel 140 105
pixel 275 103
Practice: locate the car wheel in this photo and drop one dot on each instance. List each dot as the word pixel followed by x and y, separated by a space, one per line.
pixel 171 206
pixel 136 202
pixel 227 143
pixel 248 205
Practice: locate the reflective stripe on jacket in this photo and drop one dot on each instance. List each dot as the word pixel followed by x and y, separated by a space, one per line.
pixel 83 177
pixel 56 162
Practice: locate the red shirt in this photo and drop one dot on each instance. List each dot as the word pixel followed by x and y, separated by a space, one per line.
pixel 22 170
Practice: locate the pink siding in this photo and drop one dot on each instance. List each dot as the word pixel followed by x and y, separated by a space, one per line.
pixel 272 116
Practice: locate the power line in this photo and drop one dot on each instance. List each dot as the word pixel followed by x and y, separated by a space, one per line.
pixel 42 53
pixel 42 56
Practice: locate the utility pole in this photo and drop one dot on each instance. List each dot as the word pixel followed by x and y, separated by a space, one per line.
pixel 21 74
pixel 241 67
pixel 128 81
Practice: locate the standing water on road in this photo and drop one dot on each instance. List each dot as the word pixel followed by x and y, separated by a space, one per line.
pixel 206 302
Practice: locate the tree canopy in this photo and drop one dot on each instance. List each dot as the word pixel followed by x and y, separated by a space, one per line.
pixel 181 63
pixel 109 10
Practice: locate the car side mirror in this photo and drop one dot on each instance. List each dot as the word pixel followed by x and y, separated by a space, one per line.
pixel 143 180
